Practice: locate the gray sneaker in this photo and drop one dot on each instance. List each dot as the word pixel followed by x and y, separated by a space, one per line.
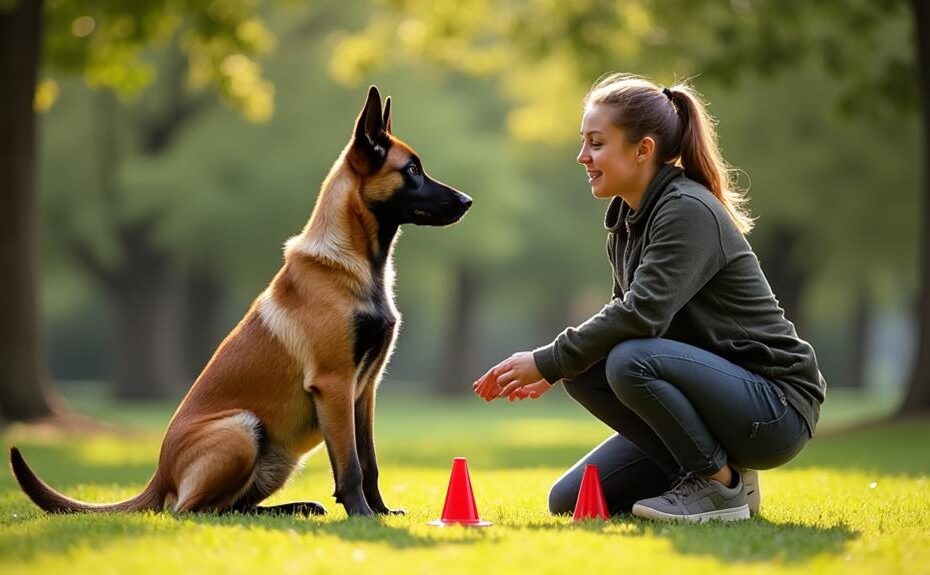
pixel 752 488
pixel 698 500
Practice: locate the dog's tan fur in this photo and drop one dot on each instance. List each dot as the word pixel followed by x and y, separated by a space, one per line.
pixel 285 379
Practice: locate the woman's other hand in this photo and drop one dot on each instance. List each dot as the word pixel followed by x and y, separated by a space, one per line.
pixel 531 391
pixel 517 371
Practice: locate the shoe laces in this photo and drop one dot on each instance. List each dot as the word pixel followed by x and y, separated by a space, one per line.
pixel 687 485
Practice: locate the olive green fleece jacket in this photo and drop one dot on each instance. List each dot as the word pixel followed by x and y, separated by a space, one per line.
pixel 683 271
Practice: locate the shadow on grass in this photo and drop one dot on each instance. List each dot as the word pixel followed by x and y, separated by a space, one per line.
pixel 34 534
pixel 31 534
pixel 756 540
pixel 355 529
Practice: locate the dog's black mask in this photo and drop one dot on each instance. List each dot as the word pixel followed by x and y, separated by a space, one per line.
pixel 415 198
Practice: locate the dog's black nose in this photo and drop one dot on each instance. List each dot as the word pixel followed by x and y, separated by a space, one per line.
pixel 466 201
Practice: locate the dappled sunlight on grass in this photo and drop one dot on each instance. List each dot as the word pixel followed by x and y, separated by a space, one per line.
pixel 855 502
pixel 113 451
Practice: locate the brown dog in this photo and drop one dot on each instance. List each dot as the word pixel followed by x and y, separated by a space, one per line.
pixel 303 365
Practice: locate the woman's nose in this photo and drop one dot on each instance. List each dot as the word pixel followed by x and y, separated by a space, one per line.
pixel 583 157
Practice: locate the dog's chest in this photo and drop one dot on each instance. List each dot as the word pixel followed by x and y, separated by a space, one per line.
pixel 373 326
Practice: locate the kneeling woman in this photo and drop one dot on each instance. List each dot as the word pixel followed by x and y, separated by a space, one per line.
pixel 692 362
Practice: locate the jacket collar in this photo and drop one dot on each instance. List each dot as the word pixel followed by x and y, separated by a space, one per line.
pixel 618 211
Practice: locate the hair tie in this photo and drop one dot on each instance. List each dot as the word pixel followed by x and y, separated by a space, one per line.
pixel 667 92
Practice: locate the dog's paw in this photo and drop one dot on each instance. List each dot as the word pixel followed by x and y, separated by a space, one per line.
pixel 305 508
pixel 310 508
pixel 393 512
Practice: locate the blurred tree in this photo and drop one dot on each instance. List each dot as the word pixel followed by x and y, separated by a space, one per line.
pixel 24 392
pixel 917 400
pixel 868 46
pixel 104 42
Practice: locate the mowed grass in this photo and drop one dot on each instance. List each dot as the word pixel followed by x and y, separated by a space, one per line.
pixel 854 502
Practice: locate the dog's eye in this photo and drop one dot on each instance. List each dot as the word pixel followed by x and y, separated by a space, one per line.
pixel 413 170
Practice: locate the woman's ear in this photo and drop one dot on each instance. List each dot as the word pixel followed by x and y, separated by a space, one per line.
pixel 645 150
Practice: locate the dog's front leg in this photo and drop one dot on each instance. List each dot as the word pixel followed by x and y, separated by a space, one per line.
pixel 333 399
pixel 364 434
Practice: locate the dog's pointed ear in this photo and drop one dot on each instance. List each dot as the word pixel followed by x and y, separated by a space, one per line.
pixel 386 119
pixel 369 129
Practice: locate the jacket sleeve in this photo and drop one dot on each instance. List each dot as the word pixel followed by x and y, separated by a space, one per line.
pixel 683 252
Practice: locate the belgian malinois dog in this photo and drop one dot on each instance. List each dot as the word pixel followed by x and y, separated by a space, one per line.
pixel 303 365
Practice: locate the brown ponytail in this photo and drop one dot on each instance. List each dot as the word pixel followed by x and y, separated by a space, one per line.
pixel 684 132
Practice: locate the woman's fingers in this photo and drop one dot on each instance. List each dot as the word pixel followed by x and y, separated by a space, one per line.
pixel 506 378
pixel 484 383
pixel 487 387
pixel 510 388
pixel 499 381
pixel 490 378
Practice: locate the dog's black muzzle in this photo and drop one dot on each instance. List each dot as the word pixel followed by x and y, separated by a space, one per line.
pixel 439 206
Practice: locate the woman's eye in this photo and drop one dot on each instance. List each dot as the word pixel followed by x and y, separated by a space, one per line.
pixel 596 145
pixel 413 170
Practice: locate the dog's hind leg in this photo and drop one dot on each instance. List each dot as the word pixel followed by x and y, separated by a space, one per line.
pixel 215 463
pixel 271 473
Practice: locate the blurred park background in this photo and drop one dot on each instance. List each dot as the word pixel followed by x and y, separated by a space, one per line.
pixel 157 154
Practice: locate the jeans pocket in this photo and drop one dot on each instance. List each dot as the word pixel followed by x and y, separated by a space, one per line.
pixel 779 409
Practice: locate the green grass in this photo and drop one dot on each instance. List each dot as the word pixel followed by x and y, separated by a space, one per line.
pixel 854 502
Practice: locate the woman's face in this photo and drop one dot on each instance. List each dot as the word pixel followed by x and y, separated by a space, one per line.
pixel 609 160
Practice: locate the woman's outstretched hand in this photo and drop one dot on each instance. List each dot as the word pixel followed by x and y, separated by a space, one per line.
pixel 508 377
pixel 531 391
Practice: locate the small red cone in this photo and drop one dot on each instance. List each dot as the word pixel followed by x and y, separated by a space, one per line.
pixel 460 508
pixel 591 503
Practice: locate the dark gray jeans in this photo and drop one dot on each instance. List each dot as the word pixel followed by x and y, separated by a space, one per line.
pixel 677 410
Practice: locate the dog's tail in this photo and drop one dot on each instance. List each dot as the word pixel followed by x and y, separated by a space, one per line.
pixel 151 498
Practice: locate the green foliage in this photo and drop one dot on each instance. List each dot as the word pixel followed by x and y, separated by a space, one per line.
pixel 866 46
pixel 106 42
pixel 855 503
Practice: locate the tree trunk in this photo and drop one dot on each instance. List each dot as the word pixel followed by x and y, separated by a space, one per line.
pixel 917 398
pixel 461 341
pixel 141 287
pixel 862 315
pixel 24 392
pixel 202 319
pixel 783 273
pixel 147 365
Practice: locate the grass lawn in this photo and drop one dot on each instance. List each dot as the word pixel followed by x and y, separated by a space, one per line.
pixel 853 502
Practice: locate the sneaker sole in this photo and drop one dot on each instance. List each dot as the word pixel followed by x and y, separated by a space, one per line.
pixel 733 514
pixel 753 494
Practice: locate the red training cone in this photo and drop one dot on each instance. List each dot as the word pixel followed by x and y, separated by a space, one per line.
pixel 460 508
pixel 591 503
